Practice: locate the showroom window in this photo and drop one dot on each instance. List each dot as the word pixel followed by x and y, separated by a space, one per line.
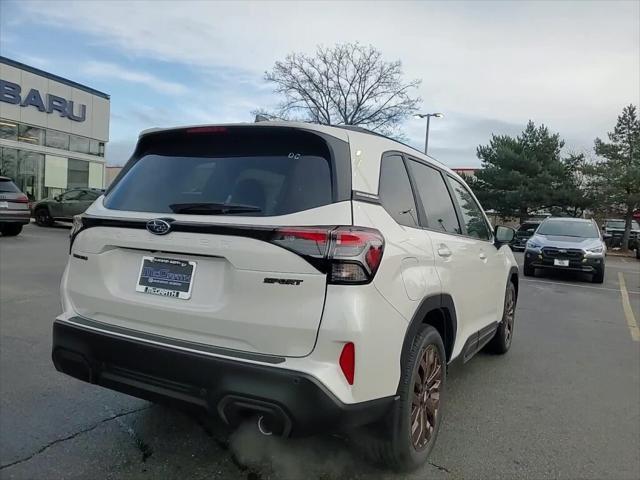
pixel 77 174
pixel 8 130
pixel 29 134
pixel 9 162
pixel 30 175
pixel 79 144
pixel 57 140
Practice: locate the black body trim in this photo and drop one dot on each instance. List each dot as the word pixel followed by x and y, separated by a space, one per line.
pixel 257 232
pixel 173 342
pixel 296 403
pixel 365 197
pixel 443 303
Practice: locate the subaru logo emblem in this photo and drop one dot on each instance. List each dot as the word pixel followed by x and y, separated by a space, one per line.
pixel 158 227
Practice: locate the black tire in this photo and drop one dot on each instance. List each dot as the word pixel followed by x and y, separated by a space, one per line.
pixel 43 218
pixel 528 270
pixel 11 229
pixel 501 342
pixel 392 442
pixel 598 275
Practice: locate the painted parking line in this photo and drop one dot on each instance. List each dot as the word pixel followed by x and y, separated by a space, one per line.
pixel 628 312
pixel 606 289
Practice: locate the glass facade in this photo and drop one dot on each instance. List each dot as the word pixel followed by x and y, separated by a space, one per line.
pixel 19 132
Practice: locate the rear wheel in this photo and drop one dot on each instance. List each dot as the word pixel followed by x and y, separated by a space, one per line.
pixel 11 229
pixel 43 218
pixel 598 275
pixel 501 342
pixel 404 440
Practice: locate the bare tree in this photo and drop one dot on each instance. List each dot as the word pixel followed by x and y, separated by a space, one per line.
pixel 348 84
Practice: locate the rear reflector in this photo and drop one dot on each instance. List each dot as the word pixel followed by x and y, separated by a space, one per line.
pixel 348 362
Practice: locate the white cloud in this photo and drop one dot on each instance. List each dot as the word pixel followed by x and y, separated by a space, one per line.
pixel 113 71
pixel 570 65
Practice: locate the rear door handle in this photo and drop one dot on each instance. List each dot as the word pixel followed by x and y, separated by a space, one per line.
pixel 483 256
pixel 444 251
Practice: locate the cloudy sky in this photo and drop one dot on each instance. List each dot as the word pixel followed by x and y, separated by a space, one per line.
pixel 489 66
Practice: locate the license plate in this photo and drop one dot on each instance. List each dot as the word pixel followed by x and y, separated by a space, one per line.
pixel 4 204
pixel 561 263
pixel 168 277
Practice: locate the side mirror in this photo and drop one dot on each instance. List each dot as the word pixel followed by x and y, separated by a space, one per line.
pixel 57 198
pixel 504 234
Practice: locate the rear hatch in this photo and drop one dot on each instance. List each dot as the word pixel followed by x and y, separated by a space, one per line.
pixel 247 211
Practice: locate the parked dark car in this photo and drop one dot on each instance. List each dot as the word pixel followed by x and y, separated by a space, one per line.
pixel 615 228
pixel 65 206
pixel 573 244
pixel 14 208
pixel 524 233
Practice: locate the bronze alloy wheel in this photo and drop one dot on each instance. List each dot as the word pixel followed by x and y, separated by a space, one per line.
pixel 425 402
pixel 509 315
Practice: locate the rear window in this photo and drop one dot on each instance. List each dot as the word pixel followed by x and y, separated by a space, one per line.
pixel 7 186
pixel 259 171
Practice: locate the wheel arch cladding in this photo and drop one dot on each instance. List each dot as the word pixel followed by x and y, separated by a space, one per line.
pixel 439 312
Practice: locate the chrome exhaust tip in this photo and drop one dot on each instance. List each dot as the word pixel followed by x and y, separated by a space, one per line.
pixel 263 427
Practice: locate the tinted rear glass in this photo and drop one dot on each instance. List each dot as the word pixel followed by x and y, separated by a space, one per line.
pixel 568 229
pixel 8 186
pixel 273 172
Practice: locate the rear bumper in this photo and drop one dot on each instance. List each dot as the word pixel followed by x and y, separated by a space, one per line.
pixel 294 403
pixel 15 216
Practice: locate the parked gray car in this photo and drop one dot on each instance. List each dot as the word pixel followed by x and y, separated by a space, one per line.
pixel 64 206
pixel 14 208
pixel 566 244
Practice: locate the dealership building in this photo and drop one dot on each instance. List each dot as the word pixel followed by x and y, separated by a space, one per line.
pixel 53 131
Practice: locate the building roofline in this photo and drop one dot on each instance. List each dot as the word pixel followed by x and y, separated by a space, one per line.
pixel 51 76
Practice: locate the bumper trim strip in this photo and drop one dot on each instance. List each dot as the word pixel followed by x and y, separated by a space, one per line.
pixel 194 347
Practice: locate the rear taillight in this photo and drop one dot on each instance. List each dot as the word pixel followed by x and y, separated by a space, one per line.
pixel 352 255
pixel 21 199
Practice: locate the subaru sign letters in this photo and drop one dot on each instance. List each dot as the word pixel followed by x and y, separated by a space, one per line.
pixel 11 93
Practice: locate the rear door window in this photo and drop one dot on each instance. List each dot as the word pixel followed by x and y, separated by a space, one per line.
pixel 435 198
pixel 251 173
pixel 395 191
pixel 472 216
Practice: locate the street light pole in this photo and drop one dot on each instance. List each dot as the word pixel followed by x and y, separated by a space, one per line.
pixel 428 117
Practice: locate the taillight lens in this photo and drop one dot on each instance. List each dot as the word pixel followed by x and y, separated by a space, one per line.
pixel 348 362
pixel 312 242
pixel 351 255
pixel 356 254
pixel 21 199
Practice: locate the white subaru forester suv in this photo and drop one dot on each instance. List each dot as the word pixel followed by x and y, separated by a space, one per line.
pixel 306 277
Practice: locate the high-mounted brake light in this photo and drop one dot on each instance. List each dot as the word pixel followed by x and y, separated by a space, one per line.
pixel 207 130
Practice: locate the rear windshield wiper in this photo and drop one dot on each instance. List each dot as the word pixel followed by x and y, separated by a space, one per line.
pixel 212 208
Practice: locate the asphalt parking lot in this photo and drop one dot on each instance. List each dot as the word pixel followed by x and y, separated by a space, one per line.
pixel 563 403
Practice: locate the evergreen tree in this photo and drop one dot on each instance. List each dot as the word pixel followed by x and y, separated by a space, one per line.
pixel 618 173
pixel 523 174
